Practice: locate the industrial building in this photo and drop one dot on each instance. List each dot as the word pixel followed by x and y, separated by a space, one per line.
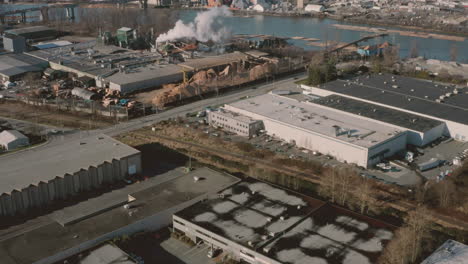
pixel 451 252
pixel 107 254
pixel 420 130
pixel 214 61
pixel 442 102
pixel 144 78
pixel 15 66
pixel 34 33
pixel 13 43
pixel 315 127
pixel 112 67
pixel 13 139
pixel 234 122
pixel 60 170
pixel 254 222
pixel 143 207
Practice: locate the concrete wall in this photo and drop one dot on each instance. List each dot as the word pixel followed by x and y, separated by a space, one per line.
pixel 68 185
pixel 390 147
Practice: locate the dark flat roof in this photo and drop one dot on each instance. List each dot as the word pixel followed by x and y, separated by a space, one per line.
pixel 35 244
pixel 412 94
pixel 314 232
pixel 249 210
pixel 384 114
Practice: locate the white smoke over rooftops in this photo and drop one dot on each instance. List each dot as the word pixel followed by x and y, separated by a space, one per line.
pixel 208 25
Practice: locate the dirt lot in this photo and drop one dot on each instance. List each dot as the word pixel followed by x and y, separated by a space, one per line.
pixel 49 117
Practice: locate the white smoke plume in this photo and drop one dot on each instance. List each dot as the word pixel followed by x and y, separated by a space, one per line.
pixel 207 26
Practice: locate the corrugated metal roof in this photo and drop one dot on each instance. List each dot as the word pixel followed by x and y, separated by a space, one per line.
pixel 57 159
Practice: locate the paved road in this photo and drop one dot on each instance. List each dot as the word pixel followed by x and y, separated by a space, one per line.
pixel 183 109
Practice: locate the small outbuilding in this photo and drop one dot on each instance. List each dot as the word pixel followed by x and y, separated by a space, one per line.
pixel 13 139
pixel 314 8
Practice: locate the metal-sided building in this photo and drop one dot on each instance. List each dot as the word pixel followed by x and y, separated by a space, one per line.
pixel 58 170
pixel 314 127
pixel 234 122
pixel 34 33
pixel 150 76
pixel 14 66
pixel 13 139
pixel 442 102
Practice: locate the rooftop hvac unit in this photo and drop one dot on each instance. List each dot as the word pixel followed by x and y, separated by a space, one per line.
pixel 250 243
pixel 448 94
pixel 426 96
pixel 395 86
pixel 196 178
pixel 272 234
pixel 412 90
pixel 264 237
pixel 266 249
pixel 299 207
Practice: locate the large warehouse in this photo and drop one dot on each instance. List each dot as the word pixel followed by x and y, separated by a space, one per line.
pixel 421 130
pixel 312 126
pixel 258 223
pixel 445 103
pixel 58 170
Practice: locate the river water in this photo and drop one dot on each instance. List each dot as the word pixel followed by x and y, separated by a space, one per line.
pixel 323 29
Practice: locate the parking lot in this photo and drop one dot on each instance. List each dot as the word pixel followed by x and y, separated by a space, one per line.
pixel 445 152
pixel 185 253
pixel 400 173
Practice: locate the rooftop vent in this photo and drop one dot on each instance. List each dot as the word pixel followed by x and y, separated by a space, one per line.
pixel 426 96
pixel 82 143
pixel 412 90
pixel 196 178
pixel 299 207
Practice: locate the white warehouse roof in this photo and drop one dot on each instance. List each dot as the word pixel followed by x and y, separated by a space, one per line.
pixel 316 119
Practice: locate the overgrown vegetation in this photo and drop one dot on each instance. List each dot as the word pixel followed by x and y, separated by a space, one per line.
pixel 321 71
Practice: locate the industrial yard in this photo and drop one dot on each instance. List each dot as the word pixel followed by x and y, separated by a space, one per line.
pixel 190 137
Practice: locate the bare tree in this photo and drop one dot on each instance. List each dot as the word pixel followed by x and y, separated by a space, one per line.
pixel 364 194
pixel 445 191
pixel 406 245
